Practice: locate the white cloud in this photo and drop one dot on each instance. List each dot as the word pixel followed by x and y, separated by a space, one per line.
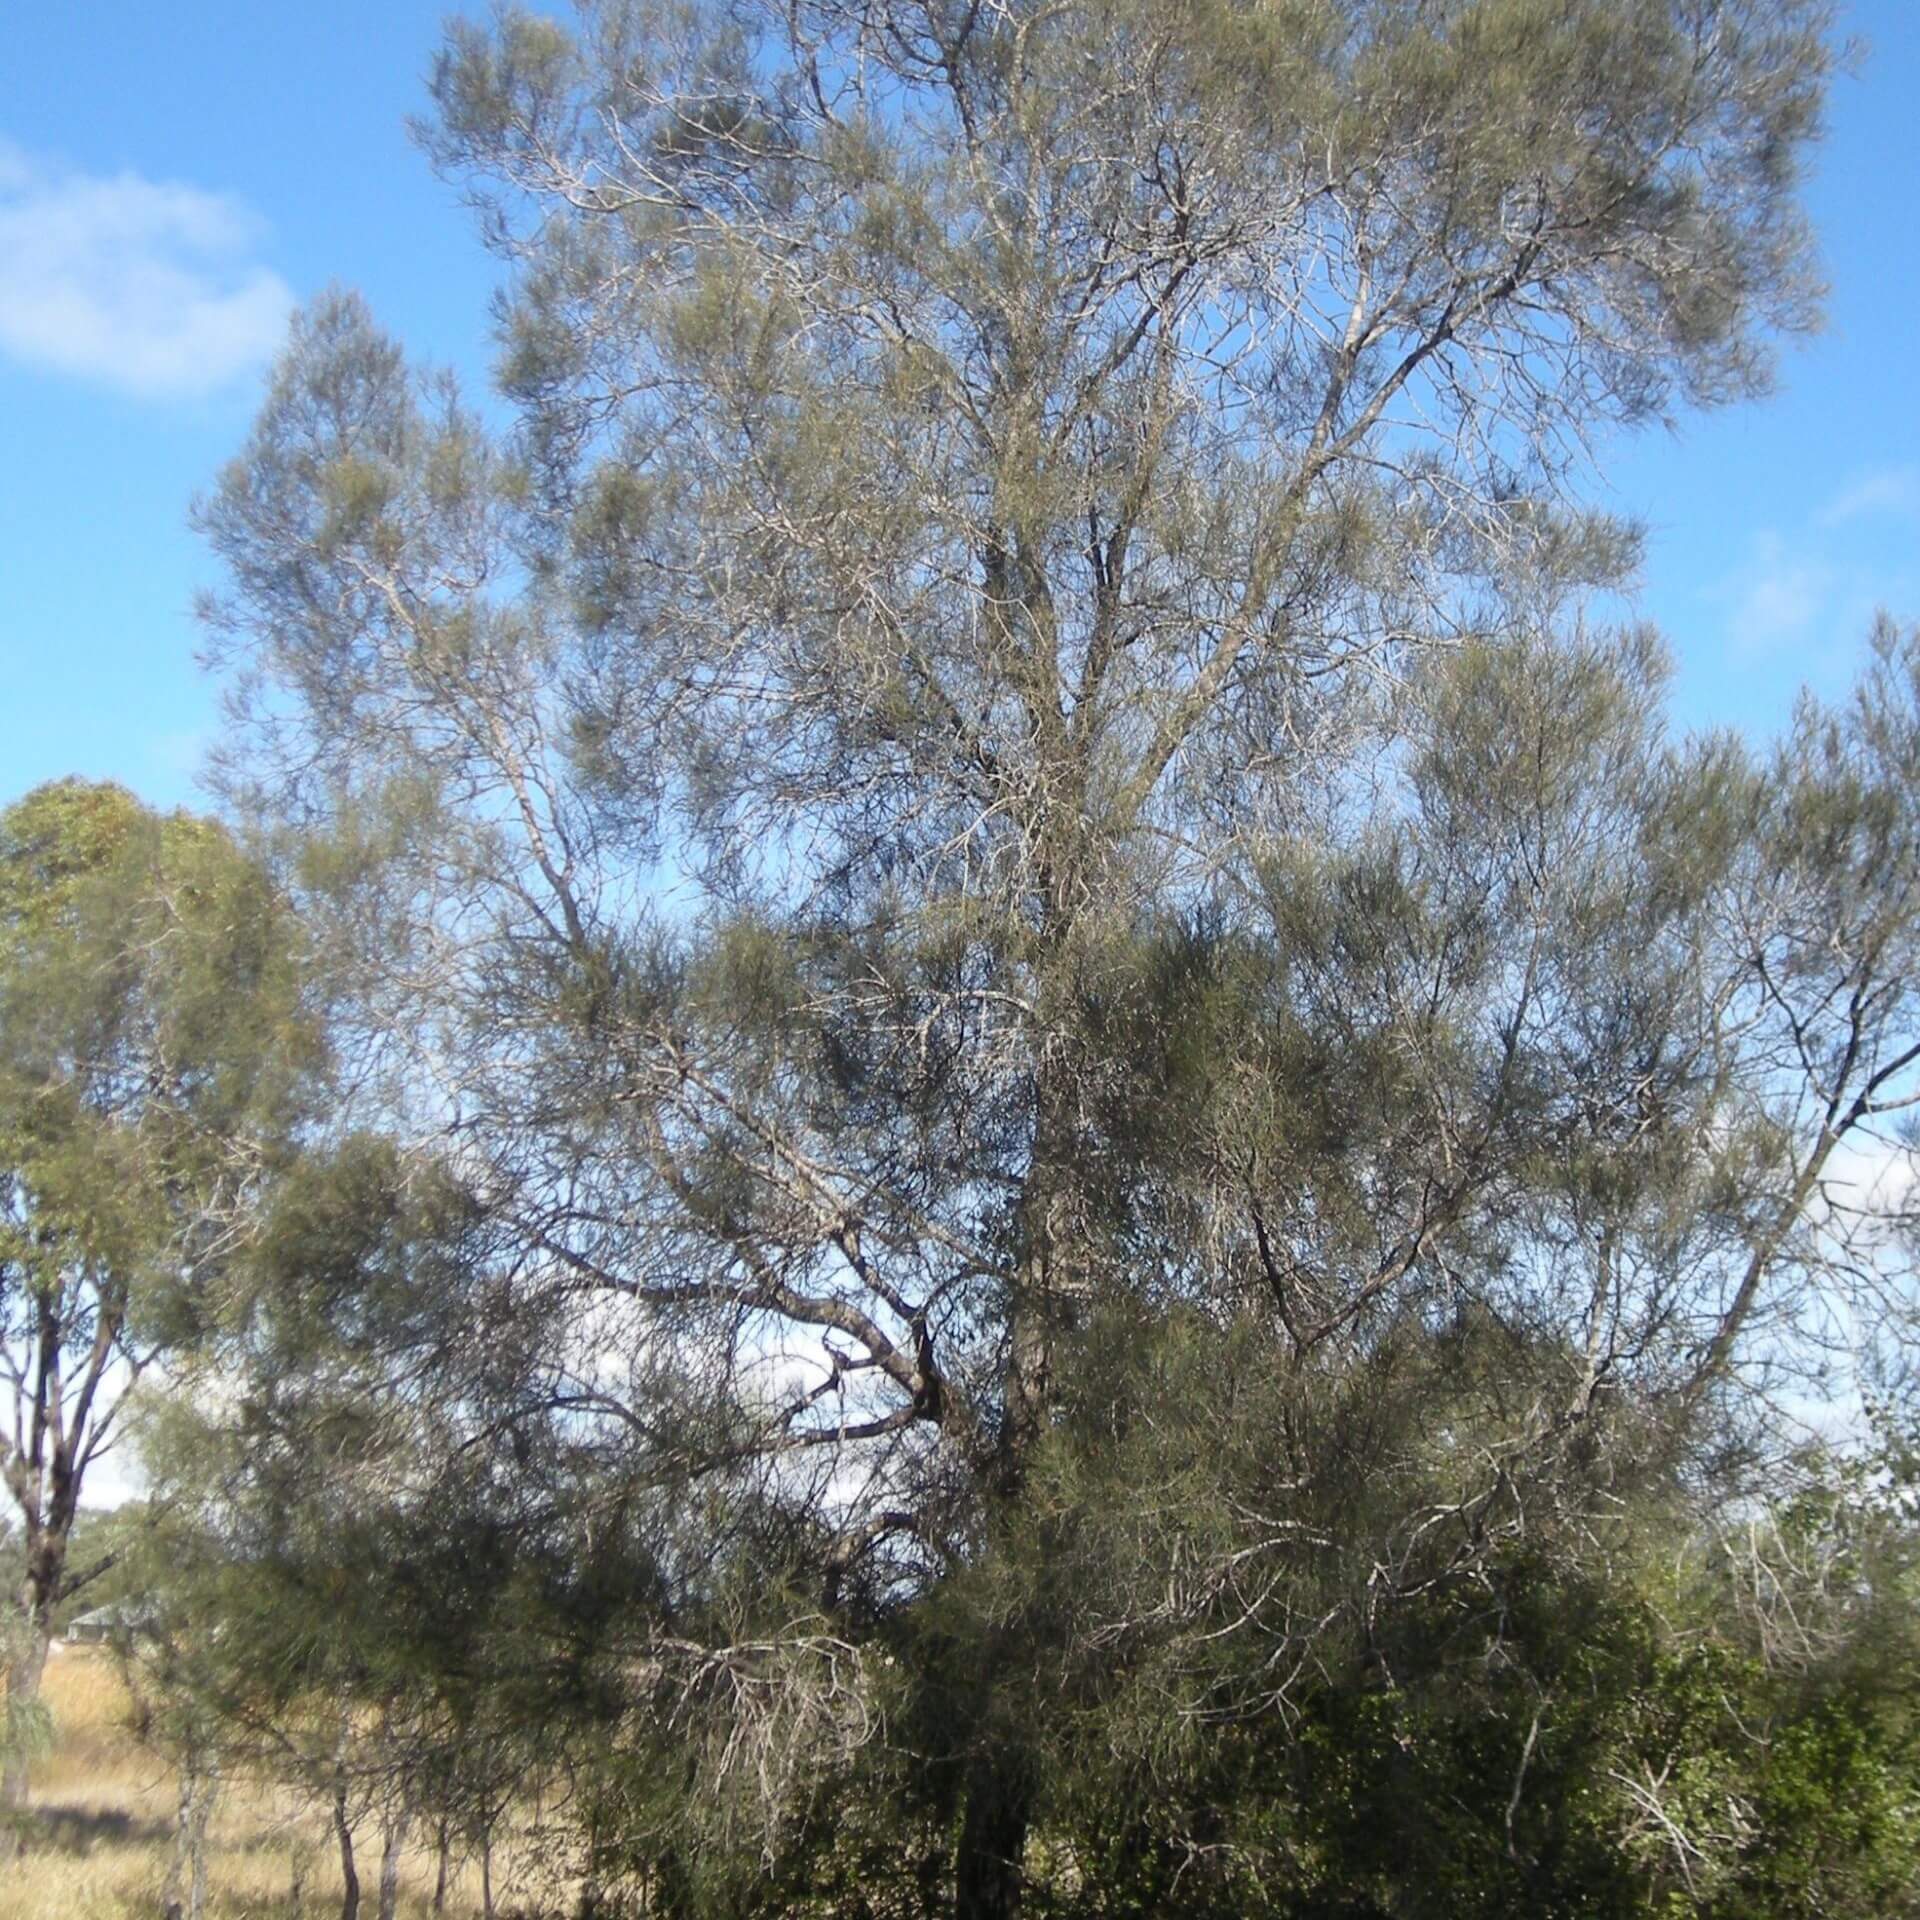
pixel 1891 491
pixel 1778 597
pixel 1877 1180
pixel 114 1478
pixel 146 285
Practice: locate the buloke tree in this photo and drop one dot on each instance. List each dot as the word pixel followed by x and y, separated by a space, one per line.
pixel 1096 1032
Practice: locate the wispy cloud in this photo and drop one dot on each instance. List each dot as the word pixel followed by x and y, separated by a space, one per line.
pixel 151 286
pixel 1777 596
pixel 1886 491
pixel 1810 593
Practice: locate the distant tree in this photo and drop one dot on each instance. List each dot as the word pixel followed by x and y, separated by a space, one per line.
pixel 154 1053
pixel 1091 1027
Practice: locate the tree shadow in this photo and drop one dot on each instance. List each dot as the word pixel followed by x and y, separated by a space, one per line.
pixel 78 1830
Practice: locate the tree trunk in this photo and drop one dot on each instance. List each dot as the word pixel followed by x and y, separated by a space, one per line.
pixel 440 1875
pixel 486 1873
pixel 350 1890
pixel 197 1840
pixel 23 1692
pixel 172 1906
pixel 1053 1280
pixel 1052 1288
pixel 394 1843
pixel 988 1879
pixel 184 1896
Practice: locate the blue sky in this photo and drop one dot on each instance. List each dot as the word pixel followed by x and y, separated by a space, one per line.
pixel 172 178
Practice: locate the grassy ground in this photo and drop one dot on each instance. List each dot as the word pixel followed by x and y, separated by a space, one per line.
pixel 101 1833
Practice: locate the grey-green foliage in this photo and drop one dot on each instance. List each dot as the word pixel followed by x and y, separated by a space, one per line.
pixel 1004 766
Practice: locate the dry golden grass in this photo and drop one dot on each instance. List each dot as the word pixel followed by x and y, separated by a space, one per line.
pixel 101 1828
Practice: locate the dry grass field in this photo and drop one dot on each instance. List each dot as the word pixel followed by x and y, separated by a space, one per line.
pixel 101 1834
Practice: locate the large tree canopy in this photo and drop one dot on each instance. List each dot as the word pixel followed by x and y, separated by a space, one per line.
pixel 1097 1037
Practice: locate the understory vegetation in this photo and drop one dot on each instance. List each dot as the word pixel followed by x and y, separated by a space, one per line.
pixel 105 1820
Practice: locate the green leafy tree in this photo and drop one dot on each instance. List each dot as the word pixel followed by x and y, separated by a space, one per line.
pixel 1091 1029
pixel 154 1052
